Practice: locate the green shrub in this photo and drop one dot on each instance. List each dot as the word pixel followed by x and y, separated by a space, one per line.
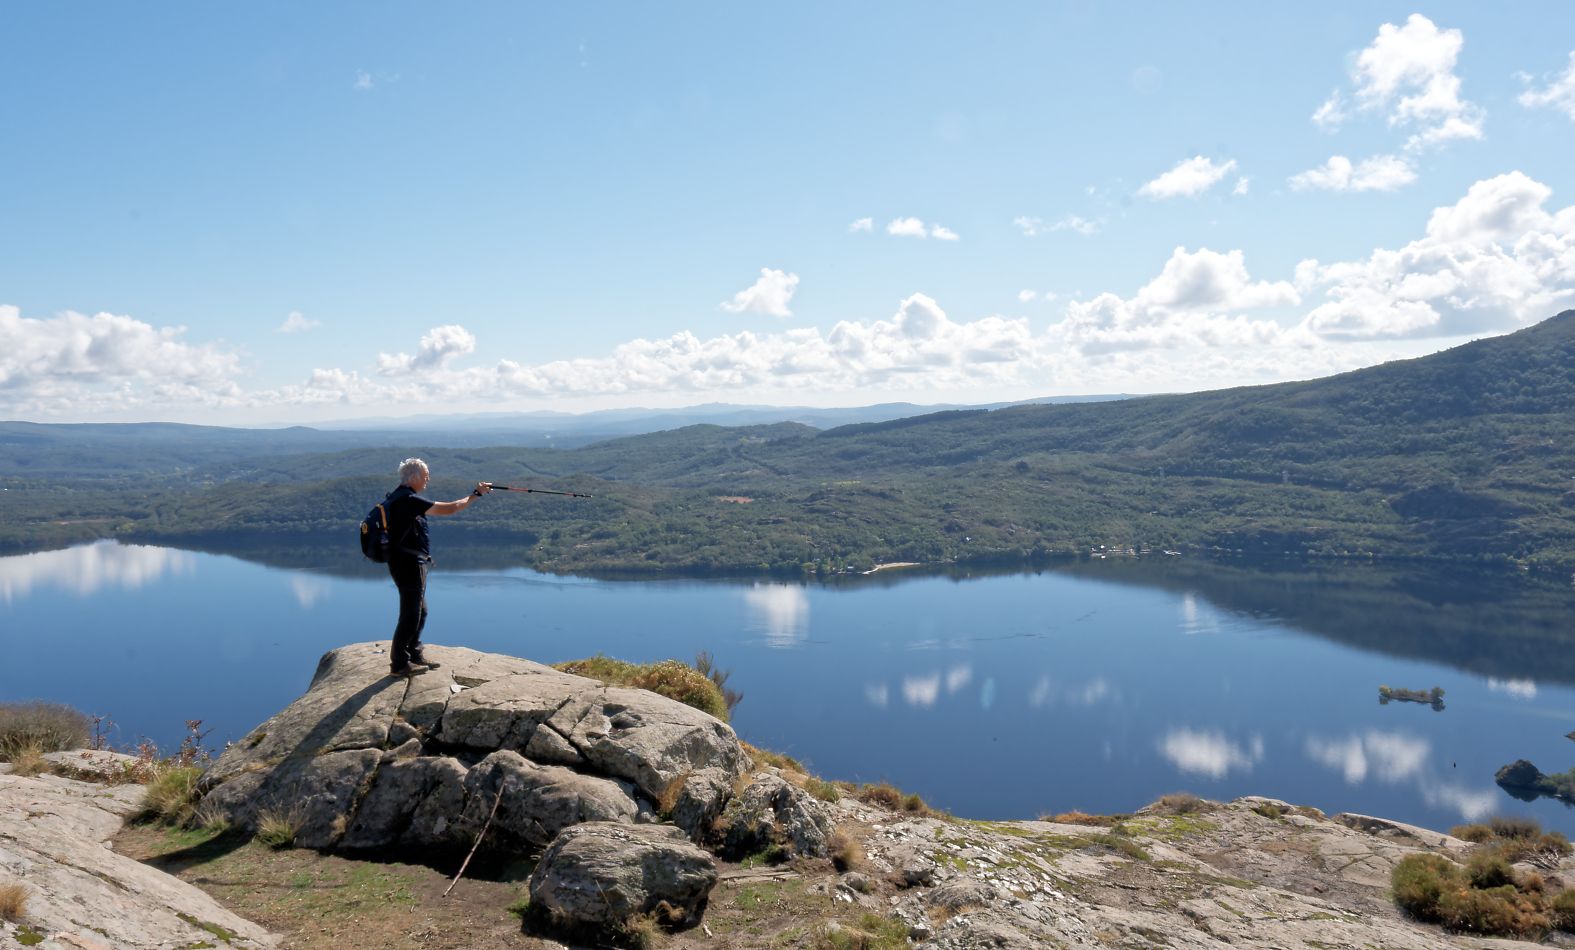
pixel 1495 911
pixel 1420 881
pixel 671 678
pixel 1489 869
pixel 1562 909
pixel 47 727
pixel 1514 826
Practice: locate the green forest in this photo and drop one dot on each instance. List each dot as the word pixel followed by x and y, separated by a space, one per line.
pixel 1465 455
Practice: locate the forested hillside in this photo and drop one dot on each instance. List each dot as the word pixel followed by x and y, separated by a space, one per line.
pixel 1468 454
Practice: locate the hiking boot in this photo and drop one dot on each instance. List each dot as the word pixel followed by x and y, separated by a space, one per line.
pixel 408 669
pixel 421 660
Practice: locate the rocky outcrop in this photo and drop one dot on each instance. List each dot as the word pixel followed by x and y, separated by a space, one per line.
pixel 772 813
pixel 365 760
pixel 54 835
pixel 598 875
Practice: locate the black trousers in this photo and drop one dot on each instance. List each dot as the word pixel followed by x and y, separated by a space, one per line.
pixel 410 577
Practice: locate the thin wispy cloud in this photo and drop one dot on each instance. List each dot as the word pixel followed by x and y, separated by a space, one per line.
pixel 297 323
pixel 1559 93
pixel 1190 177
pixel 363 80
pixel 862 224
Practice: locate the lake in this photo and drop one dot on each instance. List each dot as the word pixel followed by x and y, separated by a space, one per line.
pixel 1096 685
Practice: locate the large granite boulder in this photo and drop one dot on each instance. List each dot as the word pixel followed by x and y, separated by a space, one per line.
pixel 366 760
pixel 598 875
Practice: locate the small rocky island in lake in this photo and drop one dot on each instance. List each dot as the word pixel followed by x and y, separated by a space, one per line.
pixel 1527 782
pixel 1432 697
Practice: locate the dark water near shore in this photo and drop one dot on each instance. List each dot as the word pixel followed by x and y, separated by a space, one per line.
pixel 1096 686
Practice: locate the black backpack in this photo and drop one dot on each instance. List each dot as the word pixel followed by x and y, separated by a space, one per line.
pixel 375 542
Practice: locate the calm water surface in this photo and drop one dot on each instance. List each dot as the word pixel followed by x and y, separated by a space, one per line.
pixel 1096 686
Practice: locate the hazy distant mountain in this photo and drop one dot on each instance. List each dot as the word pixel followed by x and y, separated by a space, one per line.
pixel 67 450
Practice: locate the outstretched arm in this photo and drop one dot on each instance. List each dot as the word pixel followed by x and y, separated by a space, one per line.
pixel 454 507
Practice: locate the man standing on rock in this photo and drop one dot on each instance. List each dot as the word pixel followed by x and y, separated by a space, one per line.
pixel 410 557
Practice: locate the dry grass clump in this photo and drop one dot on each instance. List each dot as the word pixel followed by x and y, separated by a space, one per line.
pixel 887 796
pixel 847 852
pixel 28 760
pixel 13 902
pixel 1516 839
pixel 822 789
pixel 671 678
pixel 668 800
pixel 775 759
pixel 276 829
pixel 46 727
pixel 1075 817
pixel 1179 803
pixel 172 795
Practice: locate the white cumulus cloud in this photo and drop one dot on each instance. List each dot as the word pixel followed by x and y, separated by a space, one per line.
pixel 916 228
pixel 769 295
pixel 1408 74
pixel 439 346
pixel 1559 93
pixel 1379 173
pixel 1495 259
pixel 1192 176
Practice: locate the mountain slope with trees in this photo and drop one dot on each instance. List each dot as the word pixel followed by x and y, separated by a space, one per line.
pixel 1468 454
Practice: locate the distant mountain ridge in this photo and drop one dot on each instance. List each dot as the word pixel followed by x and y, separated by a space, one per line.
pixel 1468 454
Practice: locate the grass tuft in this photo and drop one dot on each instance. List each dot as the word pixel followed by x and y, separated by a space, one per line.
pixel 671 678
pixel 870 932
pixel 822 789
pixel 847 853
pixel 276 829
pixel 171 797
pixel 13 902
pixel 28 761
pixel 775 759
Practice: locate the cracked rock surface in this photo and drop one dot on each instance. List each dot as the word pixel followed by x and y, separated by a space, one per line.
pixel 366 760
pixel 54 840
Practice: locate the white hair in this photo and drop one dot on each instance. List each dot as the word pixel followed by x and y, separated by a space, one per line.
pixel 410 470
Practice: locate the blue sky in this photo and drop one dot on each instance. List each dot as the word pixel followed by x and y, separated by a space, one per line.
pixel 291 212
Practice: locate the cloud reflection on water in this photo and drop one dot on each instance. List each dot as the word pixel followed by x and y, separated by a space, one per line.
pixel 308 590
pixel 1391 757
pixel 782 611
pixel 1045 691
pixel 1518 688
pixel 86 569
pixel 1210 753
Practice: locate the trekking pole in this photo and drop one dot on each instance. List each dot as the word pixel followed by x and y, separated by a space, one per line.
pixel 541 491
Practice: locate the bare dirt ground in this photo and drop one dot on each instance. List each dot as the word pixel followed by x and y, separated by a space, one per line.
pixel 318 901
